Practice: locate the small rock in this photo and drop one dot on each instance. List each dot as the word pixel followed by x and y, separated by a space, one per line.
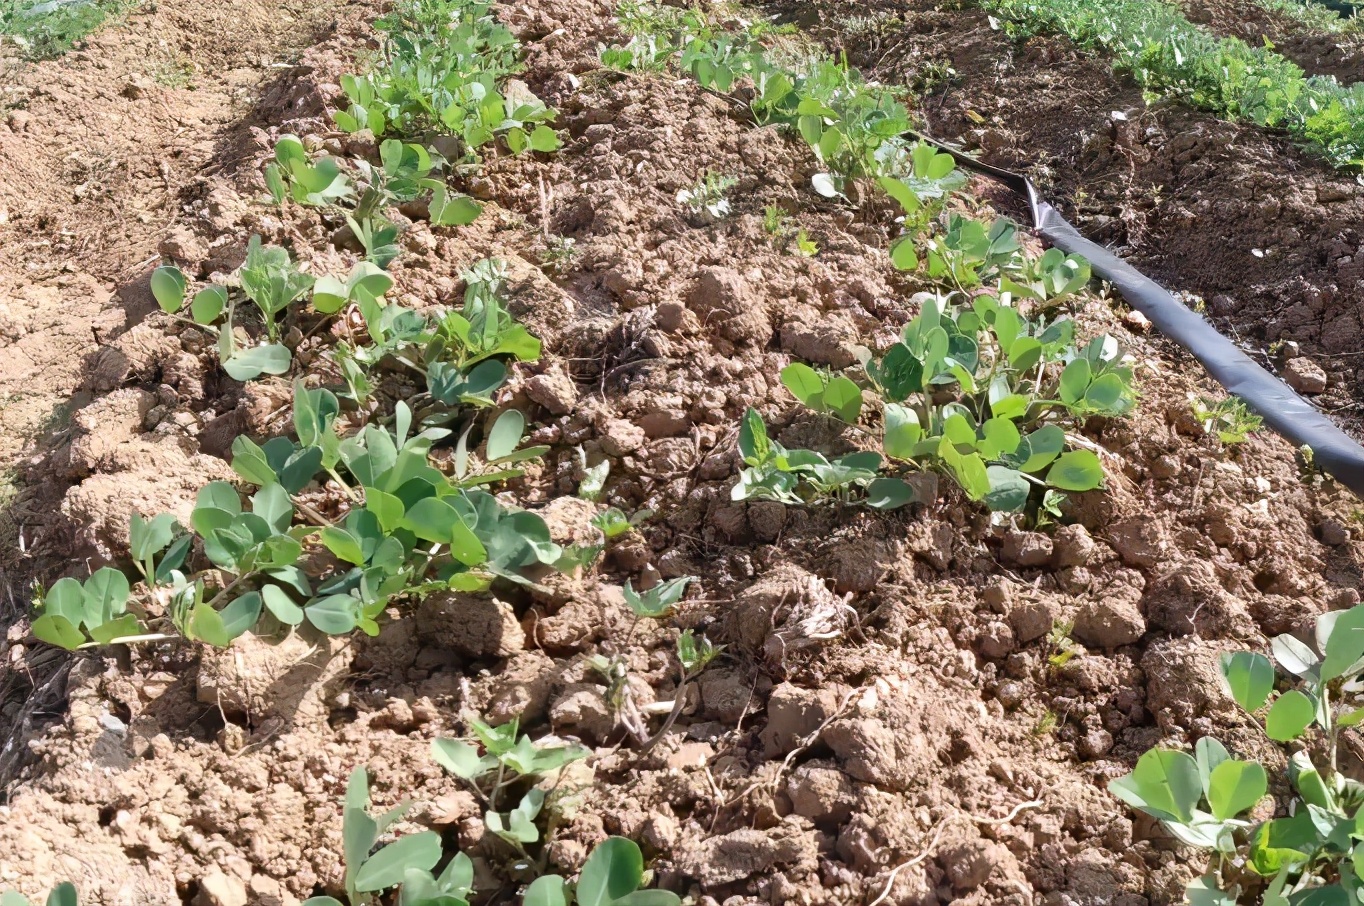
pixel 1027 548
pixel 1096 743
pixel 821 792
pixel 997 596
pixel 1304 375
pixel 583 707
pixel 1072 547
pixel 970 865
pixel 996 640
pixel 794 713
pixel 664 423
pixel 1011 695
pixel 138 87
pixel 1032 619
pixel 1136 321
pixel 1333 533
pixel 1109 623
pixel 218 889
pixel 1138 540
pixel 620 437
pixel 554 390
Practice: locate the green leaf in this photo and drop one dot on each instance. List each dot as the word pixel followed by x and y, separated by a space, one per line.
pixel 544 139
pixel 330 294
pixel 1209 753
pixel 889 493
pixel 57 630
pixel 903 254
pixel 804 383
pixel 754 446
pixel 149 537
pixel 1234 787
pixel 1164 783
pixel 614 870
pixel 1043 446
pixel 546 890
pixel 250 462
pixel 1108 393
pixel 1289 716
pixel 66 598
pixel 505 435
pixel 106 595
pixel 1009 490
pixel 460 758
pixel 658 600
pixel 281 605
pixel 1078 470
pixel 168 286
pixel 120 628
pixel 385 868
pixel 240 615
pixel 447 209
pixel 1074 381
pixel 649 898
pixel 902 431
pixel 1294 656
pixel 208 304
pixel 257 360
pixel 1345 644
pixel 334 614
pixel 843 398
pixel 1281 842
pixel 1249 678
pixel 1205 892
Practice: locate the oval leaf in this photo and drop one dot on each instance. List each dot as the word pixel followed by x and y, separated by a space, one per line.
pixel 1289 716
pixel 1249 677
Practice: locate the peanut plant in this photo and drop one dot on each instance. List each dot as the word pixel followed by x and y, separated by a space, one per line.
pixel 63 894
pixel 269 279
pixel 1316 853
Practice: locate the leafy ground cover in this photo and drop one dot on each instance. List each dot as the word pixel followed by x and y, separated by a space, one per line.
pixel 48 28
pixel 1165 53
pixel 456 589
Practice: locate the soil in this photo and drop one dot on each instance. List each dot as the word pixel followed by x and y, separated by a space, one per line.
pixel 885 716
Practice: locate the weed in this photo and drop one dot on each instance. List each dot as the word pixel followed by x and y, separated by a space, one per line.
pixel 775 221
pixel 269 279
pixel 1060 646
pixel 805 476
pixel 46 28
pixel 1230 419
pixel 1167 53
pixel 1046 724
pixel 559 255
pixel 805 246
pixel 708 196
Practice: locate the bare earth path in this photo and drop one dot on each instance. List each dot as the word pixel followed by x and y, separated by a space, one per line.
pixel 98 150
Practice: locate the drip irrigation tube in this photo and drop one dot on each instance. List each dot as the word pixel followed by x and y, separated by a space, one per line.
pixel 1282 409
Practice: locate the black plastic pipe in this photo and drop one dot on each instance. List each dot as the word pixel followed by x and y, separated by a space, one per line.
pixel 1333 451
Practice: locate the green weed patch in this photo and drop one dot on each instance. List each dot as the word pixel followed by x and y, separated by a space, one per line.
pixel 49 28
pixel 1168 55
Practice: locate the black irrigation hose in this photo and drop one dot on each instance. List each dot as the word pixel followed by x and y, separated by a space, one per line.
pixel 1283 410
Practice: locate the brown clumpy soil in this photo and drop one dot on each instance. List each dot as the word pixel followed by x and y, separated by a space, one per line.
pixel 884 717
